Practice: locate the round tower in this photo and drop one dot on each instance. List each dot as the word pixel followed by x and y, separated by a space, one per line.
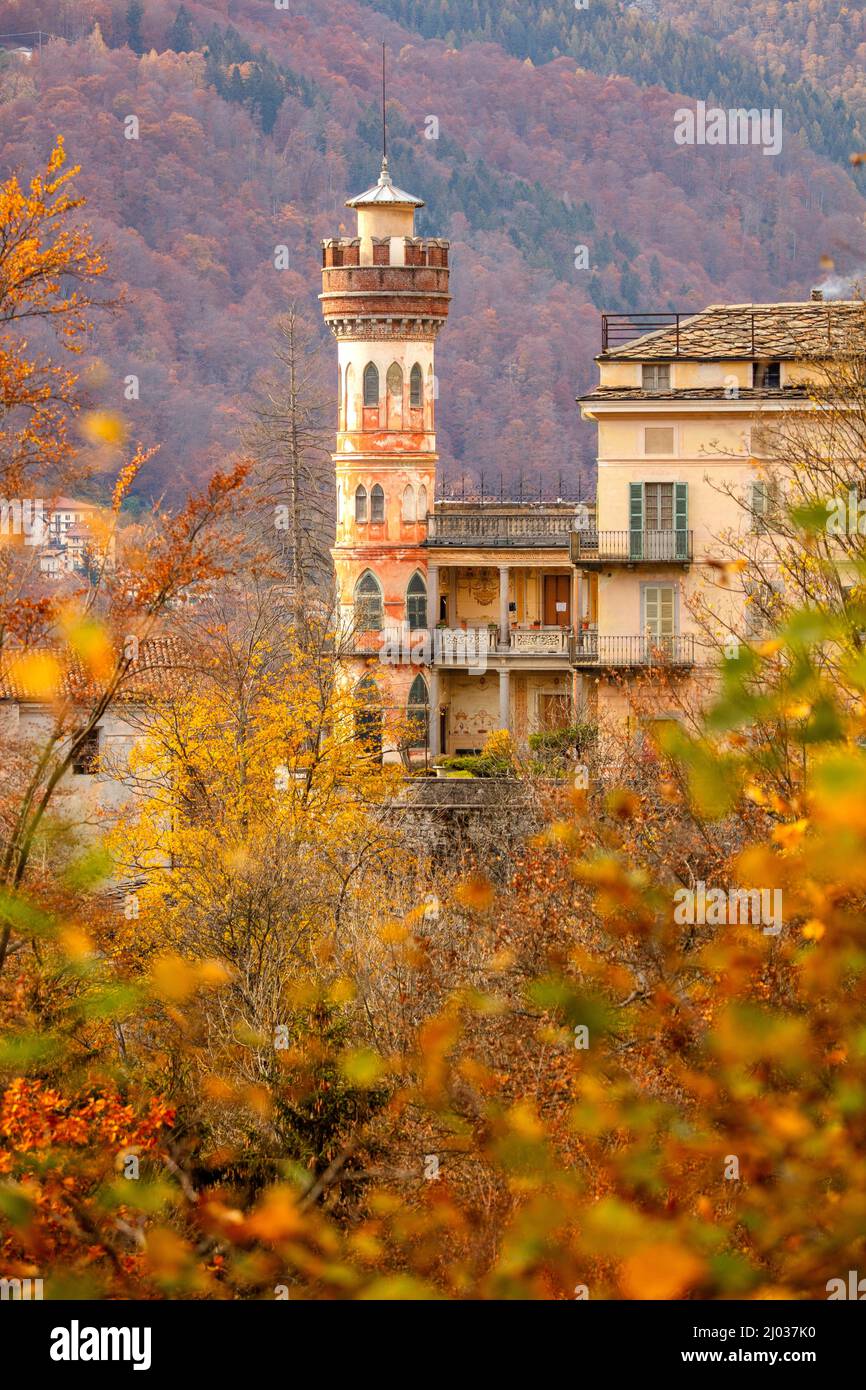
pixel 384 297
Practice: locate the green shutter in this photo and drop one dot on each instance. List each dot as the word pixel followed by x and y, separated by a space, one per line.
pixel 635 520
pixel 681 520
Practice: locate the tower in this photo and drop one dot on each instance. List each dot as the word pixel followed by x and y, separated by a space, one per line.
pixel 385 297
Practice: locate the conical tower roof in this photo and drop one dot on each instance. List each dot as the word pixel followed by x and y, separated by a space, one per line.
pixel 384 194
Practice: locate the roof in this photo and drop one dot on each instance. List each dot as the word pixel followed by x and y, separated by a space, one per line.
pixel 23 673
pixel 814 329
pixel 699 393
pixel 69 504
pixel 384 194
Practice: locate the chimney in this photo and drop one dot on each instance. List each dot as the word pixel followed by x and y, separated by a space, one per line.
pixel 817 296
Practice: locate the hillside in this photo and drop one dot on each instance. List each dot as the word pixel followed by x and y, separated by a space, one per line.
pixel 253 134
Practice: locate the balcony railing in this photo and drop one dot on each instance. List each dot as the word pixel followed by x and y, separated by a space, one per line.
pixel 542 527
pixel 631 547
pixel 545 641
pixel 593 650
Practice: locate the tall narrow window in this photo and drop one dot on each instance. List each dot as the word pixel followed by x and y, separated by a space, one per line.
pixel 764 503
pixel 394 380
pixel 422 503
pixel 417 709
pixel 416 387
pixel 659 610
pixel 408 503
pixel 368 716
pixel 377 504
pixel 86 760
pixel 658 506
pixel 369 609
pixel 360 503
pixel 416 602
pixel 371 384
pixel 351 403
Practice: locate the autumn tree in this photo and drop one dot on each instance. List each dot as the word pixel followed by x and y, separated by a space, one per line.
pixel 289 439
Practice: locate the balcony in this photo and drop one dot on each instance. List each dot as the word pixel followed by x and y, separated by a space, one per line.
pixel 525 526
pixel 603 652
pixel 598 549
pixel 475 644
pixel 543 641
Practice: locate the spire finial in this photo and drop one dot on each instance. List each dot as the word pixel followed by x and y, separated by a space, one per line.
pixel 384 124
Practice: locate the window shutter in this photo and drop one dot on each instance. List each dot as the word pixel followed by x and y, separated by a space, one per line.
pixel 635 520
pixel 666 612
pixel 681 519
pixel 759 504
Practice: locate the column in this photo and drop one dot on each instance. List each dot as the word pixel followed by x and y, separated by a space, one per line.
pixel 432 596
pixel 452 596
pixel 504 699
pixel 433 714
pixel 503 605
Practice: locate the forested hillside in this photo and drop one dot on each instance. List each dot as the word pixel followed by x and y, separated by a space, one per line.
pixel 255 124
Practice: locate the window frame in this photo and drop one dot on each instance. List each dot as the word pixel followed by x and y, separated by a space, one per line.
pixel 416 378
pixel 371 374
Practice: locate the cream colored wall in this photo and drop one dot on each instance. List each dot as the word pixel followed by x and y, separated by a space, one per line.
pixel 712 457
pixel 396 223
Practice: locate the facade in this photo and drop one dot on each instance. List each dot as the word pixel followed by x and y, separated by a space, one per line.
pixel 680 409
pixel 469 617
pixel 459 616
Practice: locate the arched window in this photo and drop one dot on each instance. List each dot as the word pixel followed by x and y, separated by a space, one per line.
pixel 360 503
pixel 417 708
pixel 371 384
pixel 351 403
pixel 368 716
pixel 408 503
pixel 422 503
pixel 416 387
pixel 369 611
pixel 394 380
pixel 377 503
pixel 416 602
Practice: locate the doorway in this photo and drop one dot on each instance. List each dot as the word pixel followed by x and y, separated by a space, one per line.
pixel 557 600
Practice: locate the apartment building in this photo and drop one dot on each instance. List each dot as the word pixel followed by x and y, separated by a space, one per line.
pixel 680 406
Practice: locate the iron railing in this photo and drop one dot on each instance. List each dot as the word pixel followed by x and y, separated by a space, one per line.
pixel 591 649
pixel 672 547
pixel 742 325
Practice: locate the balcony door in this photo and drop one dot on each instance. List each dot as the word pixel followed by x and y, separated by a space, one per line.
pixel 658 521
pixel 557 600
